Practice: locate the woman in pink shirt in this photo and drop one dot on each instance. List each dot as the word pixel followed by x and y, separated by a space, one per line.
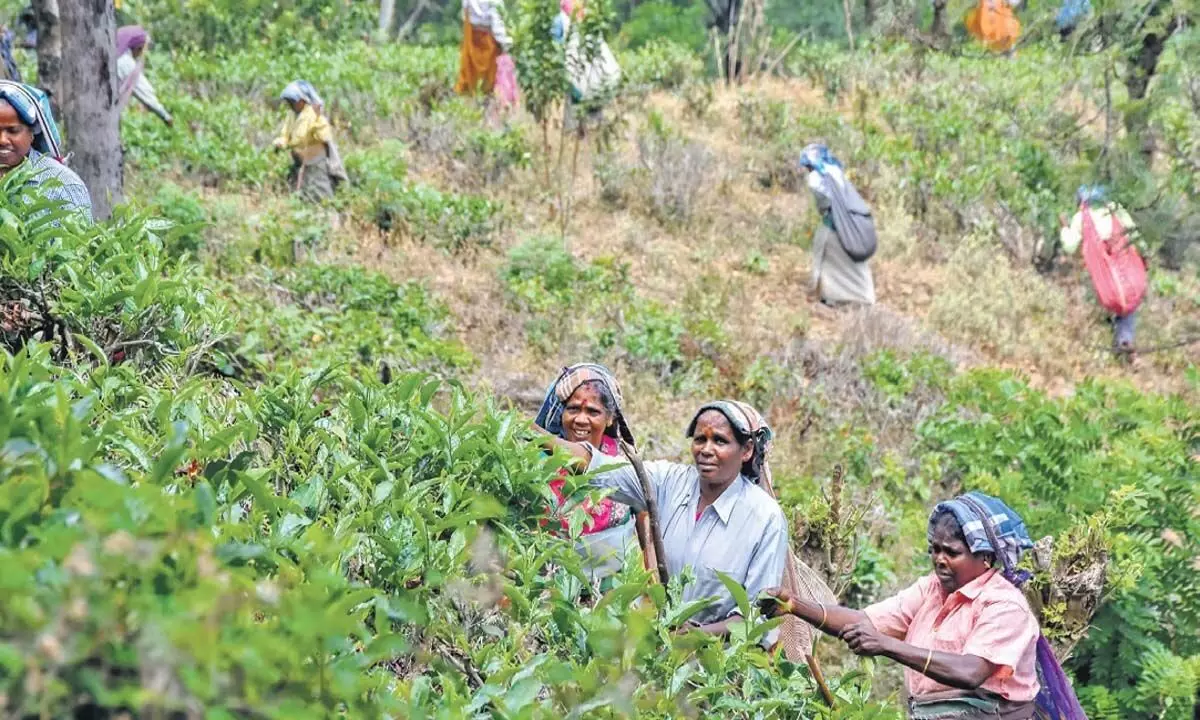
pixel 965 633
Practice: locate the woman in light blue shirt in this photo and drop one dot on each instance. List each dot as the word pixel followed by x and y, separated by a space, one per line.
pixel 714 516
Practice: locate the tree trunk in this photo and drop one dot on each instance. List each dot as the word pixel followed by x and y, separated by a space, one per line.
pixel 412 20
pixel 870 11
pixel 939 21
pixel 848 13
pixel 89 100
pixel 49 50
pixel 387 14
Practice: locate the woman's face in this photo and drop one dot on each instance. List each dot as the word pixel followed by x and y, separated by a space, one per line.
pixel 953 562
pixel 297 105
pixel 15 137
pixel 584 417
pixel 717 453
pixel 137 51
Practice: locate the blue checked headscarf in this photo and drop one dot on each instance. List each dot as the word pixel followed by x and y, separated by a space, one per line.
pixel 989 526
pixel 817 156
pixel 302 90
pixel 1091 194
pixel 33 107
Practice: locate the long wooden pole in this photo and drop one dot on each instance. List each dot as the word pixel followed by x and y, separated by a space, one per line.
pixel 814 666
pixel 660 554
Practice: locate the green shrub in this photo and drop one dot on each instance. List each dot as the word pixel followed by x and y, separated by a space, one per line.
pixel 335 315
pixel 187 214
pixel 108 292
pixel 661 22
pixel 661 65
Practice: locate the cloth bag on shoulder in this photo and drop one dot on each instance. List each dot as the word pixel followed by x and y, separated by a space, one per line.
pixel 592 69
pixel 852 220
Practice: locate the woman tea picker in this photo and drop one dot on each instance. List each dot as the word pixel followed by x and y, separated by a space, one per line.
pixel 965 633
pixel 29 142
pixel 316 165
pixel 485 39
pixel 714 516
pixel 584 405
pixel 1117 270
pixel 132 43
pixel 836 276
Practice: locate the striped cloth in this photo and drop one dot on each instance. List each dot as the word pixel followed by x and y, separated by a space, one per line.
pixel 60 183
pixel 982 518
pixel 33 107
pixel 549 417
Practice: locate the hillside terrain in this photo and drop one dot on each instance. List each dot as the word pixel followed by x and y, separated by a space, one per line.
pixel 293 436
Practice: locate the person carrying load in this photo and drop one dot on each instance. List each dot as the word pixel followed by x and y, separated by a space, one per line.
pixel 132 43
pixel 845 239
pixel 593 73
pixel 307 133
pixel 971 645
pixel 1117 270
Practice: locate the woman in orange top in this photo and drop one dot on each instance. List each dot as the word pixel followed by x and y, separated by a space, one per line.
pixel 965 632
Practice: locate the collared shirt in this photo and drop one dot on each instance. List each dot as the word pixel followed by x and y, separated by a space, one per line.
pixel 59 182
pixel 988 618
pixel 306 133
pixel 743 534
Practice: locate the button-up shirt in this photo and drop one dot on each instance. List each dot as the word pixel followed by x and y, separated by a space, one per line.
pixel 306 133
pixel 743 534
pixel 987 618
pixel 59 182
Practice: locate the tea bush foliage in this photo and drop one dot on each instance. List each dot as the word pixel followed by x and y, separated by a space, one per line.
pixel 241 477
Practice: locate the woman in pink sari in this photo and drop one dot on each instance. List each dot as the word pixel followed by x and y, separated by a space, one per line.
pixel 584 405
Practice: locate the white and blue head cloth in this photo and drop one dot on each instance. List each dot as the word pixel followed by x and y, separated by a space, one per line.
pixel 33 107
pixel 302 91
pixel 1091 194
pixel 817 156
pixel 989 526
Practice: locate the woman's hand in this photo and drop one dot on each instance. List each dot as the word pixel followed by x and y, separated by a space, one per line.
pixel 864 639
pixel 774 602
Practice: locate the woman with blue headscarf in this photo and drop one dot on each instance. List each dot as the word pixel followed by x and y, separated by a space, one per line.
pixel 971 644
pixel 29 139
pixel 836 277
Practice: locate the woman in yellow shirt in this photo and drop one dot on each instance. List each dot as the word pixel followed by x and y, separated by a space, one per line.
pixel 309 136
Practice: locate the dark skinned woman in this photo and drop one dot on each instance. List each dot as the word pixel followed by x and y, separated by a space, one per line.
pixel 714 515
pixel 584 405
pixel 965 632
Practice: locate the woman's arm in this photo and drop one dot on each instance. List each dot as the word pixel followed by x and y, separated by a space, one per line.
pixel 144 92
pixel 965 672
pixel 829 619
